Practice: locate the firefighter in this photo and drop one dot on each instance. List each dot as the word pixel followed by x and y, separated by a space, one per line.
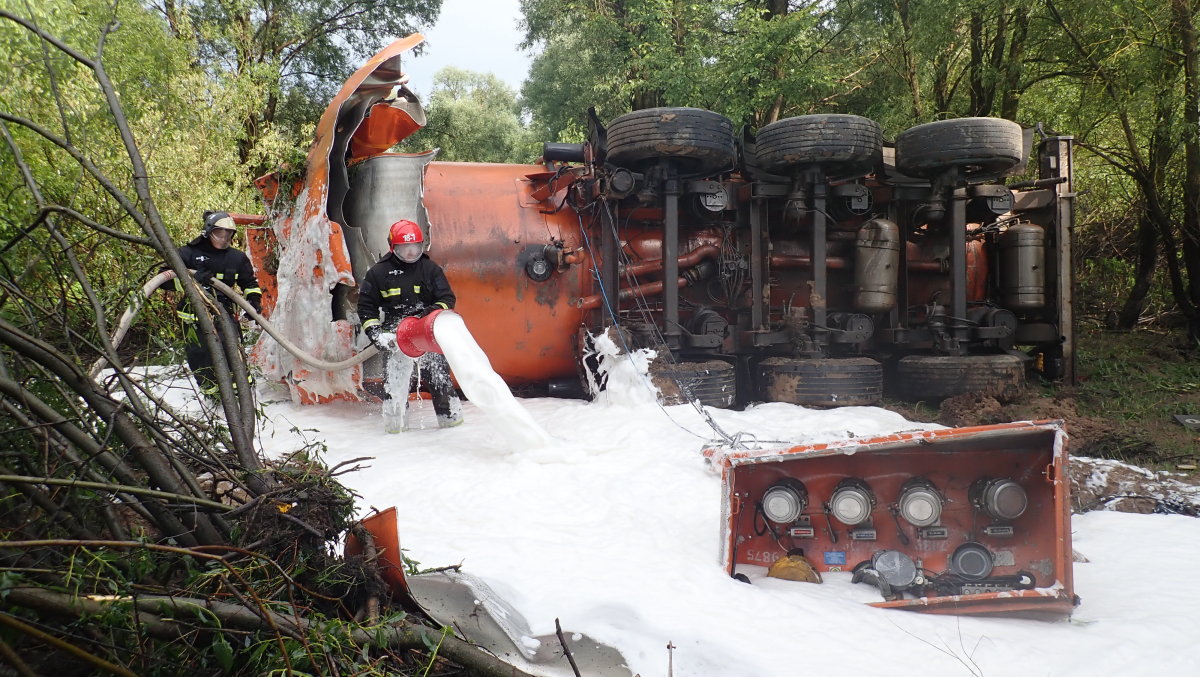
pixel 407 283
pixel 211 257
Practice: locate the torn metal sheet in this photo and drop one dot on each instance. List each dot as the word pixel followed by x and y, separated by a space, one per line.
pixel 468 605
pixel 1189 421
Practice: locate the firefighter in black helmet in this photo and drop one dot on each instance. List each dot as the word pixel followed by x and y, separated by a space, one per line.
pixel 212 257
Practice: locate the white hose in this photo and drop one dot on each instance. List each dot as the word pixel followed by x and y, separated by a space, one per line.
pixel 304 357
pixel 157 281
pixel 135 306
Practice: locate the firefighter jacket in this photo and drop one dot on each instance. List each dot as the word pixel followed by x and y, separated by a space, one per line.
pixel 230 266
pixel 401 290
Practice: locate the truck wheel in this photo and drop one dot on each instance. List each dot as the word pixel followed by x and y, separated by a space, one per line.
pixel 701 140
pixel 839 143
pixel 852 381
pixel 985 148
pixel 713 383
pixel 926 377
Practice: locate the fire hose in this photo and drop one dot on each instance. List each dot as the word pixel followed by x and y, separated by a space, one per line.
pixel 292 348
pixel 135 306
pixel 158 280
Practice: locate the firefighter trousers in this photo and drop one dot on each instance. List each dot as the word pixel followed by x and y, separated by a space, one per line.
pixel 435 374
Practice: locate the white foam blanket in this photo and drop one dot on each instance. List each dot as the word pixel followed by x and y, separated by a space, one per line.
pixel 613 528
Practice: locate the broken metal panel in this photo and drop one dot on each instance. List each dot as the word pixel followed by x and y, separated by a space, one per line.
pixel 477 614
pixel 383 190
pixel 1038 541
pixel 465 603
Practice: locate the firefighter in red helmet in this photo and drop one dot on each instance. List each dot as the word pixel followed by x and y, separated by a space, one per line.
pixel 407 283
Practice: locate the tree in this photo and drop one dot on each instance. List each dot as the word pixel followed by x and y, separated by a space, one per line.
pixel 753 61
pixel 473 117
pixel 1135 53
pixel 276 49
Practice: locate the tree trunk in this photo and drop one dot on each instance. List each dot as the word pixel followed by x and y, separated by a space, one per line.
pixel 911 75
pixel 1011 97
pixel 942 90
pixel 976 67
pixel 1147 263
pixel 776 10
pixel 1190 230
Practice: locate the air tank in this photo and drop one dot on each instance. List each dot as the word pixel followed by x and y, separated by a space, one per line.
pixel 1022 267
pixel 877 266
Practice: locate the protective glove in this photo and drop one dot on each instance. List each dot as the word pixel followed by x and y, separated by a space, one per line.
pixel 373 333
pixel 204 277
pixel 388 341
pixel 255 303
pixel 382 340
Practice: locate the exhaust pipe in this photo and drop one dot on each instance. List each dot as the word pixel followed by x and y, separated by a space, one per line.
pixel 414 335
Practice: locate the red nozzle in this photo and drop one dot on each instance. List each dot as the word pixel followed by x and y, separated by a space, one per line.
pixel 415 337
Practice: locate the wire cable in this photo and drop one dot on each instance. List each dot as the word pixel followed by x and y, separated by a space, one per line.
pixel 628 351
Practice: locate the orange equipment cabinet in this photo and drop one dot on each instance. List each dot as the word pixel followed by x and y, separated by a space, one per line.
pixel 961 466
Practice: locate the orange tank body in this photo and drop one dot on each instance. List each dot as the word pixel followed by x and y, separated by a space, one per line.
pixel 484 222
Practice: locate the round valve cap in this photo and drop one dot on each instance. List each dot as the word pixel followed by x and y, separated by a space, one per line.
pixel 1003 499
pixel 784 502
pixel 896 568
pixel 921 506
pixel 972 561
pixel 851 505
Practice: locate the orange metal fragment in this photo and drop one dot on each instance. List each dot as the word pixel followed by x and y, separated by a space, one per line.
pixel 1032 454
pixel 382 527
pixel 386 127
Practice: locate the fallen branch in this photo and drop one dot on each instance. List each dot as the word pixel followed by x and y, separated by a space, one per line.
pixel 137 491
pixel 402 635
pixel 566 650
pixel 57 643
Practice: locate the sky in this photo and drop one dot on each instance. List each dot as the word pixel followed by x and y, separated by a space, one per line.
pixel 478 35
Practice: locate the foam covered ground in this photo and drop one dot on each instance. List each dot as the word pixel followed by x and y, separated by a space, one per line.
pixel 614 530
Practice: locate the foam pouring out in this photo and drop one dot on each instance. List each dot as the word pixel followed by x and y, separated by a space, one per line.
pixel 395 409
pixel 484 387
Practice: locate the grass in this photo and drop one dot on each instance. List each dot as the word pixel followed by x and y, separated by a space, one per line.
pixel 1130 386
pixel 1138 381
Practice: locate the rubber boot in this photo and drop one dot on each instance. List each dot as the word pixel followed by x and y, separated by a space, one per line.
pixel 395 415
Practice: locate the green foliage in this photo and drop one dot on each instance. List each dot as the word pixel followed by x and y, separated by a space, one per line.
pixel 287 58
pixel 473 117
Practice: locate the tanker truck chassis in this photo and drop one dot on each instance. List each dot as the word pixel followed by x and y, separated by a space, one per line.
pixel 813 263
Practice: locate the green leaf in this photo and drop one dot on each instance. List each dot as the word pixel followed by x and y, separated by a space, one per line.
pixel 428 642
pixel 224 653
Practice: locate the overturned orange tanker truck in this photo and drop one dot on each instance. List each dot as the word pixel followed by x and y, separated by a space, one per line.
pixel 813 263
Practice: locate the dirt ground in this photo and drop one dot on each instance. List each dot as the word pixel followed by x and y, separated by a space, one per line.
pixel 1129 387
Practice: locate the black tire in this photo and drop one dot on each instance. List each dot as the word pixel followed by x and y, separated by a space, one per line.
pixel 701 140
pixel 847 382
pixel 932 377
pixel 713 383
pixel 842 144
pixel 985 148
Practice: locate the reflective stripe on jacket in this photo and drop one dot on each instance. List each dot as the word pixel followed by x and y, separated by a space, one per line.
pixel 230 266
pixel 393 290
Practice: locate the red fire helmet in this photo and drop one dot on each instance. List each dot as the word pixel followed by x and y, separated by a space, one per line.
pixel 405 232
